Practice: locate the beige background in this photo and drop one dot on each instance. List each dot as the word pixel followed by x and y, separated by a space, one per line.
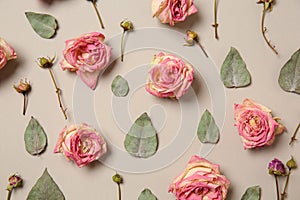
pixel 239 27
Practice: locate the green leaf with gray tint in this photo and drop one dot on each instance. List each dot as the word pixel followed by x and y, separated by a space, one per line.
pixel 141 140
pixel 120 86
pixel 289 78
pixel 43 24
pixel 234 73
pixel 252 193
pixel 35 137
pixel 147 195
pixel 45 188
pixel 208 131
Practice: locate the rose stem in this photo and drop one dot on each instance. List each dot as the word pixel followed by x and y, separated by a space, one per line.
pixel 119 191
pixel 277 186
pixel 202 49
pixel 295 134
pixel 98 14
pixel 283 194
pixel 24 103
pixel 122 47
pixel 215 25
pixel 264 29
pixel 9 194
pixel 58 92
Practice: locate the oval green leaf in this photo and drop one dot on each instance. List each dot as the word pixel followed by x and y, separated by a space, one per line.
pixel 234 73
pixel 35 138
pixel 43 24
pixel 119 86
pixel 45 188
pixel 141 140
pixel 252 193
pixel 208 131
pixel 147 195
pixel 289 78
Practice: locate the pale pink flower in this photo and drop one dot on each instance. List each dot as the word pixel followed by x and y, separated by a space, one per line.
pixel 6 53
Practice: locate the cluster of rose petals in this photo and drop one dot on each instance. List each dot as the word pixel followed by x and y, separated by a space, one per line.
pixel 80 143
pixel 86 55
pixel 6 53
pixel 276 167
pixel 169 76
pixel 201 180
pixel 255 124
pixel 173 11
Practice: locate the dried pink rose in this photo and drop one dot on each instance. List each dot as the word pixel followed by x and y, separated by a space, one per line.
pixel 6 53
pixel 169 76
pixel 87 56
pixel 173 11
pixel 200 180
pixel 255 124
pixel 80 143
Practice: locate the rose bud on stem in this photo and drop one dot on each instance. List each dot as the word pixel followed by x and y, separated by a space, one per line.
pixel 47 63
pixel 276 168
pixel 97 12
pixel 15 181
pixel 127 26
pixel 118 179
pixel 191 38
pixel 24 88
pixel 291 164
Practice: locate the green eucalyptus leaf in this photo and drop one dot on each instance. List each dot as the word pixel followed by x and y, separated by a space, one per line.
pixel 120 86
pixel 208 131
pixel 141 140
pixel 234 73
pixel 147 195
pixel 43 24
pixel 252 193
pixel 35 137
pixel 289 78
pixel 45 188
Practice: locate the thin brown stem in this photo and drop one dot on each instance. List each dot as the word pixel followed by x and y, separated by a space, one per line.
pixel 215 25
pixel 283 194
pixel 58 92
pixel 98 14
pixel 277 186
pixel 9 194
pixel 264 29
pixel 24 103
pixel 119 191
pixel 122 46
pixel 293 138
pixel 202 49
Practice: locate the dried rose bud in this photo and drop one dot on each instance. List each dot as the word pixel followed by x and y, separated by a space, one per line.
pixel 291 164
pixel 117 178
pixel 191 37
pixel 14 182
pixel 267 4
pixel 23 87
pixel 126 25
pixel 276 167
pixel 44 62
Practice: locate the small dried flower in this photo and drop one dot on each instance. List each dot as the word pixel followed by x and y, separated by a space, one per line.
pixel 267 3
pixel 291 164
pixel 46 62
pixel 117 178
pixel 24 88
pixel 191 38
pixel 276 167
pixel 127 26
pixel 15 181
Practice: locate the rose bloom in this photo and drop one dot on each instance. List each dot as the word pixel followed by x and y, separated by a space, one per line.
pixel 171 11
pixel 201 180
pixel 255 124
pixel 80 143
pixel 87 56
pixel 6 53
pixel 169 76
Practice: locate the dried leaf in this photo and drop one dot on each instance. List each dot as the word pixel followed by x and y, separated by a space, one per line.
pixel 35 138
pixel 45 188
pixel 289 78
pixel 147 195
pixel 234 73
pixel 120 86
pixel 252 193
pixel 141 140
pixel 208 131
pixel 43 24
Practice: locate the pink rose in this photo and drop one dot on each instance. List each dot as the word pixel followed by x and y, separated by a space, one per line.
pixel 6 53
pixel 80 143
pixel 201 180
pixel 171 11
pixel 255 124
pixel 169 76
pixel 87 56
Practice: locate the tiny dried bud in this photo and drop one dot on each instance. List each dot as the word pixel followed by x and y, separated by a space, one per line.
pixel 192 35
pixel 45 62
pixel 276 167
pixel 14 181
pixel 126 25
pixel 291 164
pixel 117 178
pixel 23 87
